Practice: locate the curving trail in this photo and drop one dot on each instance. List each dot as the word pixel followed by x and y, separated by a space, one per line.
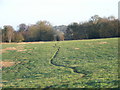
pixel 54 56
pixel 51 62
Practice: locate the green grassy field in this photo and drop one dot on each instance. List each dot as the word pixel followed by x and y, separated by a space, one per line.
pixel 63 64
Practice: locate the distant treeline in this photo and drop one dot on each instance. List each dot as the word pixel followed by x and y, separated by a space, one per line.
pixel 96 27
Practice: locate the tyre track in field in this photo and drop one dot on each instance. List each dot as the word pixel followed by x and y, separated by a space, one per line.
pixel 54 56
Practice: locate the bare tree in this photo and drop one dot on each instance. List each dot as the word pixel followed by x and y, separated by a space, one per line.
pixel 9 32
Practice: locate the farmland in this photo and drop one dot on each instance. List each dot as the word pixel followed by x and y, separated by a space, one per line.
pixel 64 64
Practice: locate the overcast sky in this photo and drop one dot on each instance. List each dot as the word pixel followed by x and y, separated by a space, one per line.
pixel 57 12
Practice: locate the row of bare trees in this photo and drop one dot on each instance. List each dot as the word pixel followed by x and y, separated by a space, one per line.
pixel 96 27
pixel 41 31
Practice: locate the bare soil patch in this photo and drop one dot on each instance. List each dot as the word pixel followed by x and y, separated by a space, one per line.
pixel 4 81
pixel 1 85
pixel 2 51
pixel 5 50
pixel 29 42
pixel 18 49
pixel 77 48
pixel 21 50
pixel 102 42
pixel 10 48
pixel 7 64
pixel 23 43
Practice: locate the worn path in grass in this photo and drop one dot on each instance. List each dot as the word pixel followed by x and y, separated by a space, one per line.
pixel 52 59
pixel 54 56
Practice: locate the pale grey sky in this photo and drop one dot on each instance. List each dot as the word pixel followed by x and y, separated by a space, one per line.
pixel 57 12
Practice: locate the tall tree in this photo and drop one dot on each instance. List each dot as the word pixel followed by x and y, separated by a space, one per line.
pixel 8 33
pixel 18 37
pixel 41 31
pixel 22 27
pixel 95 19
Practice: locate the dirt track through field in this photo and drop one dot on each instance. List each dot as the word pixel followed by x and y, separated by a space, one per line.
pixel 54 56
pixel 51 61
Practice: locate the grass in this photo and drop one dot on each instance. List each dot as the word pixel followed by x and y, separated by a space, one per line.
pixel 95 61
